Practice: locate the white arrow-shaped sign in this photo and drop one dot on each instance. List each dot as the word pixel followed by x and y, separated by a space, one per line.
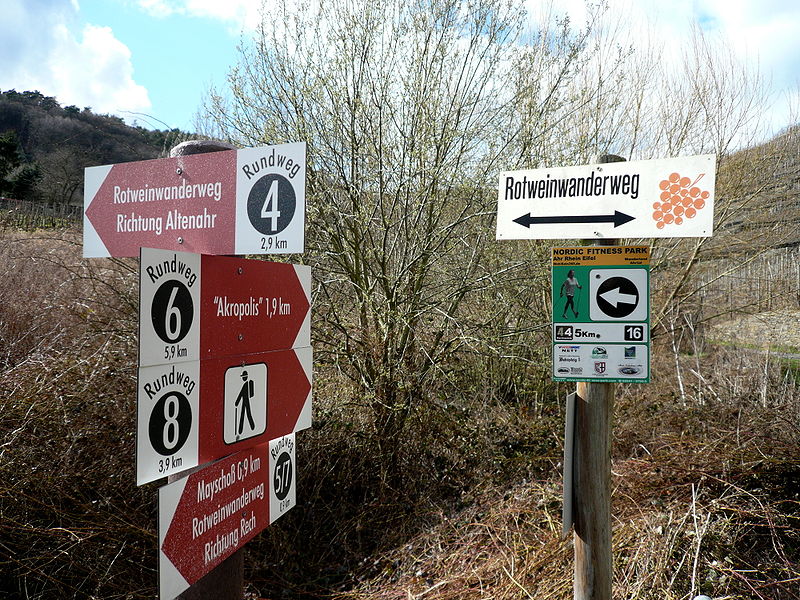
pixel 615 297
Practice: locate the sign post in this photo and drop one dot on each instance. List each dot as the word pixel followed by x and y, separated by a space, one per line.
pixel 594 408
pixel 278 227
pixel 603 337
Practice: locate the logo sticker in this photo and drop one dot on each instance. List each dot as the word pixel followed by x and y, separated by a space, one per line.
pixel 630 370
pixel 564 332
pixel 600 367
pixel 599 352
pixel 681 199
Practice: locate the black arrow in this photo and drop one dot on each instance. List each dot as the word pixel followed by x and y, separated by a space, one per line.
pixel 618 218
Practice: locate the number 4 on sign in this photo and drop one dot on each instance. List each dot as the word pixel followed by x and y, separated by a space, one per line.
pixel 270 208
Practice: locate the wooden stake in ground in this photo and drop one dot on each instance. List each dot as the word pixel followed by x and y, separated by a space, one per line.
pixel 226 581
pixel 594 407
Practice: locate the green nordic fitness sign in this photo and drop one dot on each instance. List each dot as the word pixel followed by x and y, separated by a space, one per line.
pixel 601 314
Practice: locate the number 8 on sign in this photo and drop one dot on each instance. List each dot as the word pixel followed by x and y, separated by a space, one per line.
pixel 167 423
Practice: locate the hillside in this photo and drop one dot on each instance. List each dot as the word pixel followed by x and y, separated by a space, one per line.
pixel 44 147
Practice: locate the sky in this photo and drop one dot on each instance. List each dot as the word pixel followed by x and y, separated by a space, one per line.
pixel 150 61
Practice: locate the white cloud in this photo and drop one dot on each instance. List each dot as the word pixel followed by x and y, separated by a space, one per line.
pixel 238 14
pixel 763 34
pixel 90 67
pixel 766 30
pixel 98 68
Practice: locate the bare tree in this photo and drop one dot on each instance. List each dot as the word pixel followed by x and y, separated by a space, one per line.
pixel 405 109
pixel 410 110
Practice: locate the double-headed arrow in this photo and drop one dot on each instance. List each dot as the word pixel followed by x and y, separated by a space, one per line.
pixel 618 218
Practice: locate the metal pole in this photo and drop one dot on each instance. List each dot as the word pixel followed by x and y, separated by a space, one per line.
pixel 594 407
pixel 226 582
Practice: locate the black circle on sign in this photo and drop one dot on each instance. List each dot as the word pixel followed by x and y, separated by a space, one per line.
pixel 172 311
pixel 271 204
pixel 170 423
pixel 626 288
pixel 282 475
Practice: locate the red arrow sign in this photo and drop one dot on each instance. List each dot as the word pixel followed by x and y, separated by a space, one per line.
pixel 207 516
pixel 252 306
pixel 187 202
pixel 185 420
pixel 224 415
pixel 249 201
pixel 199 306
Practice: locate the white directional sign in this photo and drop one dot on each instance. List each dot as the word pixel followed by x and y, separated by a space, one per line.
pixel 671 197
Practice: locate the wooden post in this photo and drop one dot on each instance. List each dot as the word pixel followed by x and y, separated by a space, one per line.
pixel 226 581
pixel 594 407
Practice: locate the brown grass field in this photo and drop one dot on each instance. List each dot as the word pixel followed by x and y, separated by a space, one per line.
pixel 706 477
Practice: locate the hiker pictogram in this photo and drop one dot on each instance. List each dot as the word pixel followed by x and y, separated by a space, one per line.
pixel 245 410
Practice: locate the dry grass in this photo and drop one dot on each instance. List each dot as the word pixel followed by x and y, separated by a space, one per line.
pixel 706 479
pixel 72 522
pixel 706 499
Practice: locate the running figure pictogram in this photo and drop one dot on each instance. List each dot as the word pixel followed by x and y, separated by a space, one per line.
pixel 569 285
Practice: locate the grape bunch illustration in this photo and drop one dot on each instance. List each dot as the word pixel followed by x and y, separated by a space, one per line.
pixel 680 199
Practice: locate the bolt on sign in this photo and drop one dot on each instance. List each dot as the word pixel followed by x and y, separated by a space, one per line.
pixel 249 201
pixel 225 358
pixel 601 313
pixel 205 517
pixel 670 197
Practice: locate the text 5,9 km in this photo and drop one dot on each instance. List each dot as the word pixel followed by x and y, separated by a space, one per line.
pixel 174 351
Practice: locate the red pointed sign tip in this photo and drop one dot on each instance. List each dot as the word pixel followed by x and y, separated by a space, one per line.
pixel 223 506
